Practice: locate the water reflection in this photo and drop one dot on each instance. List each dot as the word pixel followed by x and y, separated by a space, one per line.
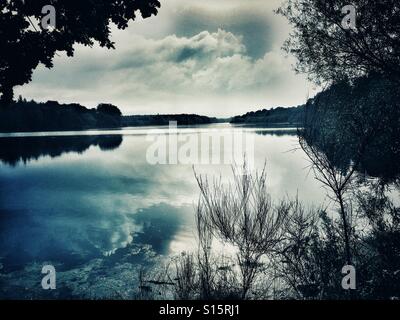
pixel 99 215
pixel 24 149
pixel 277 133
pixel 378 162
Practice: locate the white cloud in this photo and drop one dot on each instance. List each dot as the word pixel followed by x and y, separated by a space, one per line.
pixel 207 73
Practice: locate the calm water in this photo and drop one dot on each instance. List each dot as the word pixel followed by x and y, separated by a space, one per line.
pixel 91 205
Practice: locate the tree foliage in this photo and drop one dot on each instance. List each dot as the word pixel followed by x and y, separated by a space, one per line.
pixel 328 52
pixel 357 125
pixel 109 109
pixel 24 44
pixel 27 116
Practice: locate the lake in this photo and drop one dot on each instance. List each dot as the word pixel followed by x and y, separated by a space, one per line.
pixel 90 204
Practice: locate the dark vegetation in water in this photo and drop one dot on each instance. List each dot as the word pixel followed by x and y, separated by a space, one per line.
pixel 358 124
pixel 14 150
pixel 277 133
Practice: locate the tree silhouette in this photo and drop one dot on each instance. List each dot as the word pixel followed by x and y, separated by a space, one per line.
pixel 109 109
pixel 328 52
pixel 24 44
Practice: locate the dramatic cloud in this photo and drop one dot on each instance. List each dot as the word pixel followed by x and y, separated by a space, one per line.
pixel 213 59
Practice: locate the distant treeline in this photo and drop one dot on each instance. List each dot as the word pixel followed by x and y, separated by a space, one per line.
pixel 28 116
pixel 290 116
pixel 159 119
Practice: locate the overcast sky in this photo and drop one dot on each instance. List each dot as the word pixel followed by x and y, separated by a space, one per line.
pixel 218 58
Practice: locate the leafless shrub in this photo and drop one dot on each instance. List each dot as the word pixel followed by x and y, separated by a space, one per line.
pixel 281 250
pixel 293 264
pixel 186 280
pixel 242 214
pixel 145 290
pixel 336 181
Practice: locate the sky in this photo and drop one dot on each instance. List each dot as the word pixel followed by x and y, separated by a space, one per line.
pixel 217 58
